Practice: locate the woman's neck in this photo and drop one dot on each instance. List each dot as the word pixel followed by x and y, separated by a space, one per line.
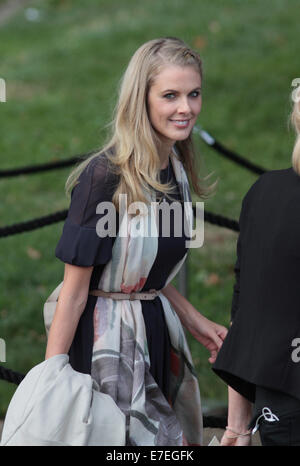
pixel 164 154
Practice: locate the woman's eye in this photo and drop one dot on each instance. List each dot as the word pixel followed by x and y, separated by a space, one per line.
pixel 169 96
pixel 172 95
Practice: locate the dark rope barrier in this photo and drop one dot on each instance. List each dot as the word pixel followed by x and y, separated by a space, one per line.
pixel 206 137
pixel 62 215
pixel 16 378
pixel 11 376
pixel 33 224
pixel 30 169
pixel 221 221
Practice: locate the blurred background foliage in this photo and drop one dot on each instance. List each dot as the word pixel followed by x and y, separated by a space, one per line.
pixel 62 61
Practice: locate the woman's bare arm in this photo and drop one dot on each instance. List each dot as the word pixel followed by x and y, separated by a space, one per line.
pixel 208 333
pixel 71 303
pixel 239 417
pixel 183 308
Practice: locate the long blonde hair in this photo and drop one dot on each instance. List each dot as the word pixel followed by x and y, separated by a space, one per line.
pixel 295 120
pixel 132 146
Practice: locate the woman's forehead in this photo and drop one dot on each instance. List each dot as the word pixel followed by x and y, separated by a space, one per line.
pixel 172 76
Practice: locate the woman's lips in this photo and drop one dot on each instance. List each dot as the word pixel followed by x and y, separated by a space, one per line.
pixel 181 123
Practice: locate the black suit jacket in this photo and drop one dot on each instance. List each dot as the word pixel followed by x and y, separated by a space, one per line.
pixel 266 299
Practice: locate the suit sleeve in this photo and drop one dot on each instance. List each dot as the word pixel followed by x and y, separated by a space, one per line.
pixel 239 252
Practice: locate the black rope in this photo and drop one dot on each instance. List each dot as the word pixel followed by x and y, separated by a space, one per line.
pixel 62 215
pixel 16 378
pixel 11 376
pixel 221 221
pixel 33 224
pixel 228 153
pixel 30 169
pixel 206 137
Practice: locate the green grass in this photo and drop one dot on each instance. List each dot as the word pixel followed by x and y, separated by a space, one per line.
pixel 61 74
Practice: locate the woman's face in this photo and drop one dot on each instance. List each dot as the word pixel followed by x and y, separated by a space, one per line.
pixel 174 102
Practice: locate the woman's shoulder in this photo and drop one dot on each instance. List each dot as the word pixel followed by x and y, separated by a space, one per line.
pixel 277 175
pixel 98 176
pixel 271 178
pixel 271 182
pixel 100 168
pixel 97 181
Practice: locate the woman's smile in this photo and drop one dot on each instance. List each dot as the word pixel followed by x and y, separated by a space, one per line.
pixel 181 123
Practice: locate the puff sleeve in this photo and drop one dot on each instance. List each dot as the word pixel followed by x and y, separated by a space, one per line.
pixel 79 243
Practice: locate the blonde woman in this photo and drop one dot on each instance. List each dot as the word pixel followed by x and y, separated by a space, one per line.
pixel 259 359
pixel 118 317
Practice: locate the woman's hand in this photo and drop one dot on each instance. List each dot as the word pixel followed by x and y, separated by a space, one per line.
pixel 208 333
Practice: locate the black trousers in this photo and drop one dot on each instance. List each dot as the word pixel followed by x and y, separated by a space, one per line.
pixel 277 416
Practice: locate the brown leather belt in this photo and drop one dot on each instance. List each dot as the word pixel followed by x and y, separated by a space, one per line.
pixel 145 295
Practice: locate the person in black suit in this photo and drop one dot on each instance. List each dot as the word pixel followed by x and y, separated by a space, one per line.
pixel 259 359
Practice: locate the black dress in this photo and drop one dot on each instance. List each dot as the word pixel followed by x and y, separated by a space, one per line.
pixel 80 245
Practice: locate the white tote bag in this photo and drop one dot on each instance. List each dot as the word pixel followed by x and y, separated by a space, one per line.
pixel 55 405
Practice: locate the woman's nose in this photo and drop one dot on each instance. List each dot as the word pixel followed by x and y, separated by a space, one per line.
pixel 184 106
